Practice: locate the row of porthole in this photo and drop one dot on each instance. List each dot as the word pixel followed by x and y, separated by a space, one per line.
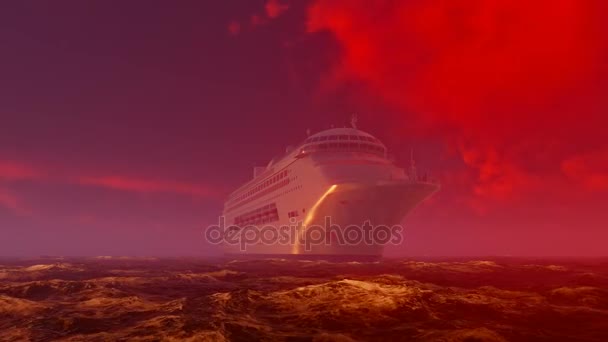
pixel 284 193
pixel 266 183
pixel 341 137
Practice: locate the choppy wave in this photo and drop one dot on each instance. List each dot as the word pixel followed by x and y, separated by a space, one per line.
pixel 276 299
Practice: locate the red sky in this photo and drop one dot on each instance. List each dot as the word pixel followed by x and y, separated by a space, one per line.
pixel 124 125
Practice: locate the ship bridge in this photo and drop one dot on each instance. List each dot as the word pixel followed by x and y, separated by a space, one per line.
pixel 343 139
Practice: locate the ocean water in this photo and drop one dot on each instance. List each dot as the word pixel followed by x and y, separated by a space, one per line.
pixel 149 299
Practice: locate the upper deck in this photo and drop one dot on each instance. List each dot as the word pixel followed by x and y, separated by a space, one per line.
pixel 331 140
pixel 343 140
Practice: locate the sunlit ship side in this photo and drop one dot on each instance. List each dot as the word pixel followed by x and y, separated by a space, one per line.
pixel 342 173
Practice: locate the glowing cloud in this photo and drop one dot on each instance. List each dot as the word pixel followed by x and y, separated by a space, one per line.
pixel 10 201
pixel 147 186
pixel 517 87
pixel 234 28
pixel 10 170
pixel 274 8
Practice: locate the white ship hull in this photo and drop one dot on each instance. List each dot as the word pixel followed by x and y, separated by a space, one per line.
pixel 308 186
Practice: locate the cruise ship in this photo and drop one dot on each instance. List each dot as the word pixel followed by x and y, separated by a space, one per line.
pixel 340 174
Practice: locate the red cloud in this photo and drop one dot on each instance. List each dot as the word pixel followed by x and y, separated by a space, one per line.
pixel 274 8
pixel 15 171
pixel 517 86
pixel 591 170
pixel 257 20
pixel 234 28
pixel 10 201
pixel 10 170
pixel 148 186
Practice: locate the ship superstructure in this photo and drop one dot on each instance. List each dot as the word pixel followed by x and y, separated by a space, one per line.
pixel 341 173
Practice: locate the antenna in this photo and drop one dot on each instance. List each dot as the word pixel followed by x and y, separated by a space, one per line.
pixel 353 120
pixel 412 161
pixel 413 174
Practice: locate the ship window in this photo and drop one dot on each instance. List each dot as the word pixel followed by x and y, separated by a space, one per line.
pixel 343 137
pixel 333 137
pixel 323 138
pixel 315 139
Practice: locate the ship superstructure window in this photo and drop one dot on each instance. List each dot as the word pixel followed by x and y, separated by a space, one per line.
pixel 262 215
pixel 352 144
pixel 267 183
